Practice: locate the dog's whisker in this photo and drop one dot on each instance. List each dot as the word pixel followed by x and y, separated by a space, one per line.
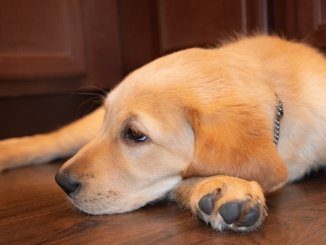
pixel 90 93
pixel 91 87
pixel 92 101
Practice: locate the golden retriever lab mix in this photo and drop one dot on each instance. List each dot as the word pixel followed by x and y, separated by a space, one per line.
pixel 212 129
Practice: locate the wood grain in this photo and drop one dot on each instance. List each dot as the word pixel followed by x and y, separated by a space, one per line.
pixel 33 210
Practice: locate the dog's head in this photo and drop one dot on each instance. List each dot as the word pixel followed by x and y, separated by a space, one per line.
pixel 177 117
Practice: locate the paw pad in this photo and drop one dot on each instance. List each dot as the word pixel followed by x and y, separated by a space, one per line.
pixel 207 202
pixel 238 213
pixel 251 217
pixel 230 212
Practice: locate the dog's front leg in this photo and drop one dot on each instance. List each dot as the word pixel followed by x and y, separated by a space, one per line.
pixel 226 203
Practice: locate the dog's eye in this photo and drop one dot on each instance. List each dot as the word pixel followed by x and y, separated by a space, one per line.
pixel 134 135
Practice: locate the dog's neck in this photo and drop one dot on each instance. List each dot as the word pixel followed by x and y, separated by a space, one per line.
pixel 279 112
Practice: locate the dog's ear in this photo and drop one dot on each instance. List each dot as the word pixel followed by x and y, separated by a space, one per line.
pixel 237 142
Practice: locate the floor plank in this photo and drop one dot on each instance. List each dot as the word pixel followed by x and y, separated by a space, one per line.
pixel 34 210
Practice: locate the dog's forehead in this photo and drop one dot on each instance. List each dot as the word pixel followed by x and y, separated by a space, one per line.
pixel 119 98
pixel 132 92
pixel 155 85
pixel 108 100
pixel 125 101
pixel 154 111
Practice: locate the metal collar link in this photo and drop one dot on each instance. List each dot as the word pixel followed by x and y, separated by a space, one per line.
pixel 279 112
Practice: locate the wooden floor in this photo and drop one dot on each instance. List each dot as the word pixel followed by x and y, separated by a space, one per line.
pixel 34 210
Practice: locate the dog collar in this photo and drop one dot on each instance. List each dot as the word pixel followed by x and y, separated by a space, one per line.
pixel 279 112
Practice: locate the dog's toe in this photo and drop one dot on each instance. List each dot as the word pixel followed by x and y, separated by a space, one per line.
pixel 207 203
pixel 230 212
pixel 250 218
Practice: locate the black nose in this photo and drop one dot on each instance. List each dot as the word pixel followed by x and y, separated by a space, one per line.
pixel 68 184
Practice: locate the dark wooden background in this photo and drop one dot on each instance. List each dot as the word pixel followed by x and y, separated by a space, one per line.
pixel 53 52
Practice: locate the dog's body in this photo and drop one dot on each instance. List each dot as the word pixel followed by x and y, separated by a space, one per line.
pixel 197 124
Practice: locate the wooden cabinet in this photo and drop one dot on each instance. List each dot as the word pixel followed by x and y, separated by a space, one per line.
pixel 60 46
pixel 150 28
pixel 56 46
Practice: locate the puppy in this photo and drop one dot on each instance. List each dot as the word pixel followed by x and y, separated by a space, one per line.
pixel 212 129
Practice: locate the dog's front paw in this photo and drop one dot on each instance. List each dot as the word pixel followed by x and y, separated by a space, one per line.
pixel 229 203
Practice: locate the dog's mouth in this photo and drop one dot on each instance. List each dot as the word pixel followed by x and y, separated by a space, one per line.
pixel 101 205
pixel 111 198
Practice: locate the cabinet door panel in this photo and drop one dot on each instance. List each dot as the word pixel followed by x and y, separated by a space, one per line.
pixel 150 28
pixel 187 23
pixel 40 39
pixel 55 46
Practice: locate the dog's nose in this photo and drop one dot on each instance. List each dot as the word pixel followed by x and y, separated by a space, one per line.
pixel 68 184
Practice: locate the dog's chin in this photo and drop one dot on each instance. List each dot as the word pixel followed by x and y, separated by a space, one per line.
pixel 102 207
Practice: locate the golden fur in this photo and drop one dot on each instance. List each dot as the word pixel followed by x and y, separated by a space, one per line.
pixel 209 116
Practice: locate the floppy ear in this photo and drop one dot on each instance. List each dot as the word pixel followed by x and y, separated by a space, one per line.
pixel 237 142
